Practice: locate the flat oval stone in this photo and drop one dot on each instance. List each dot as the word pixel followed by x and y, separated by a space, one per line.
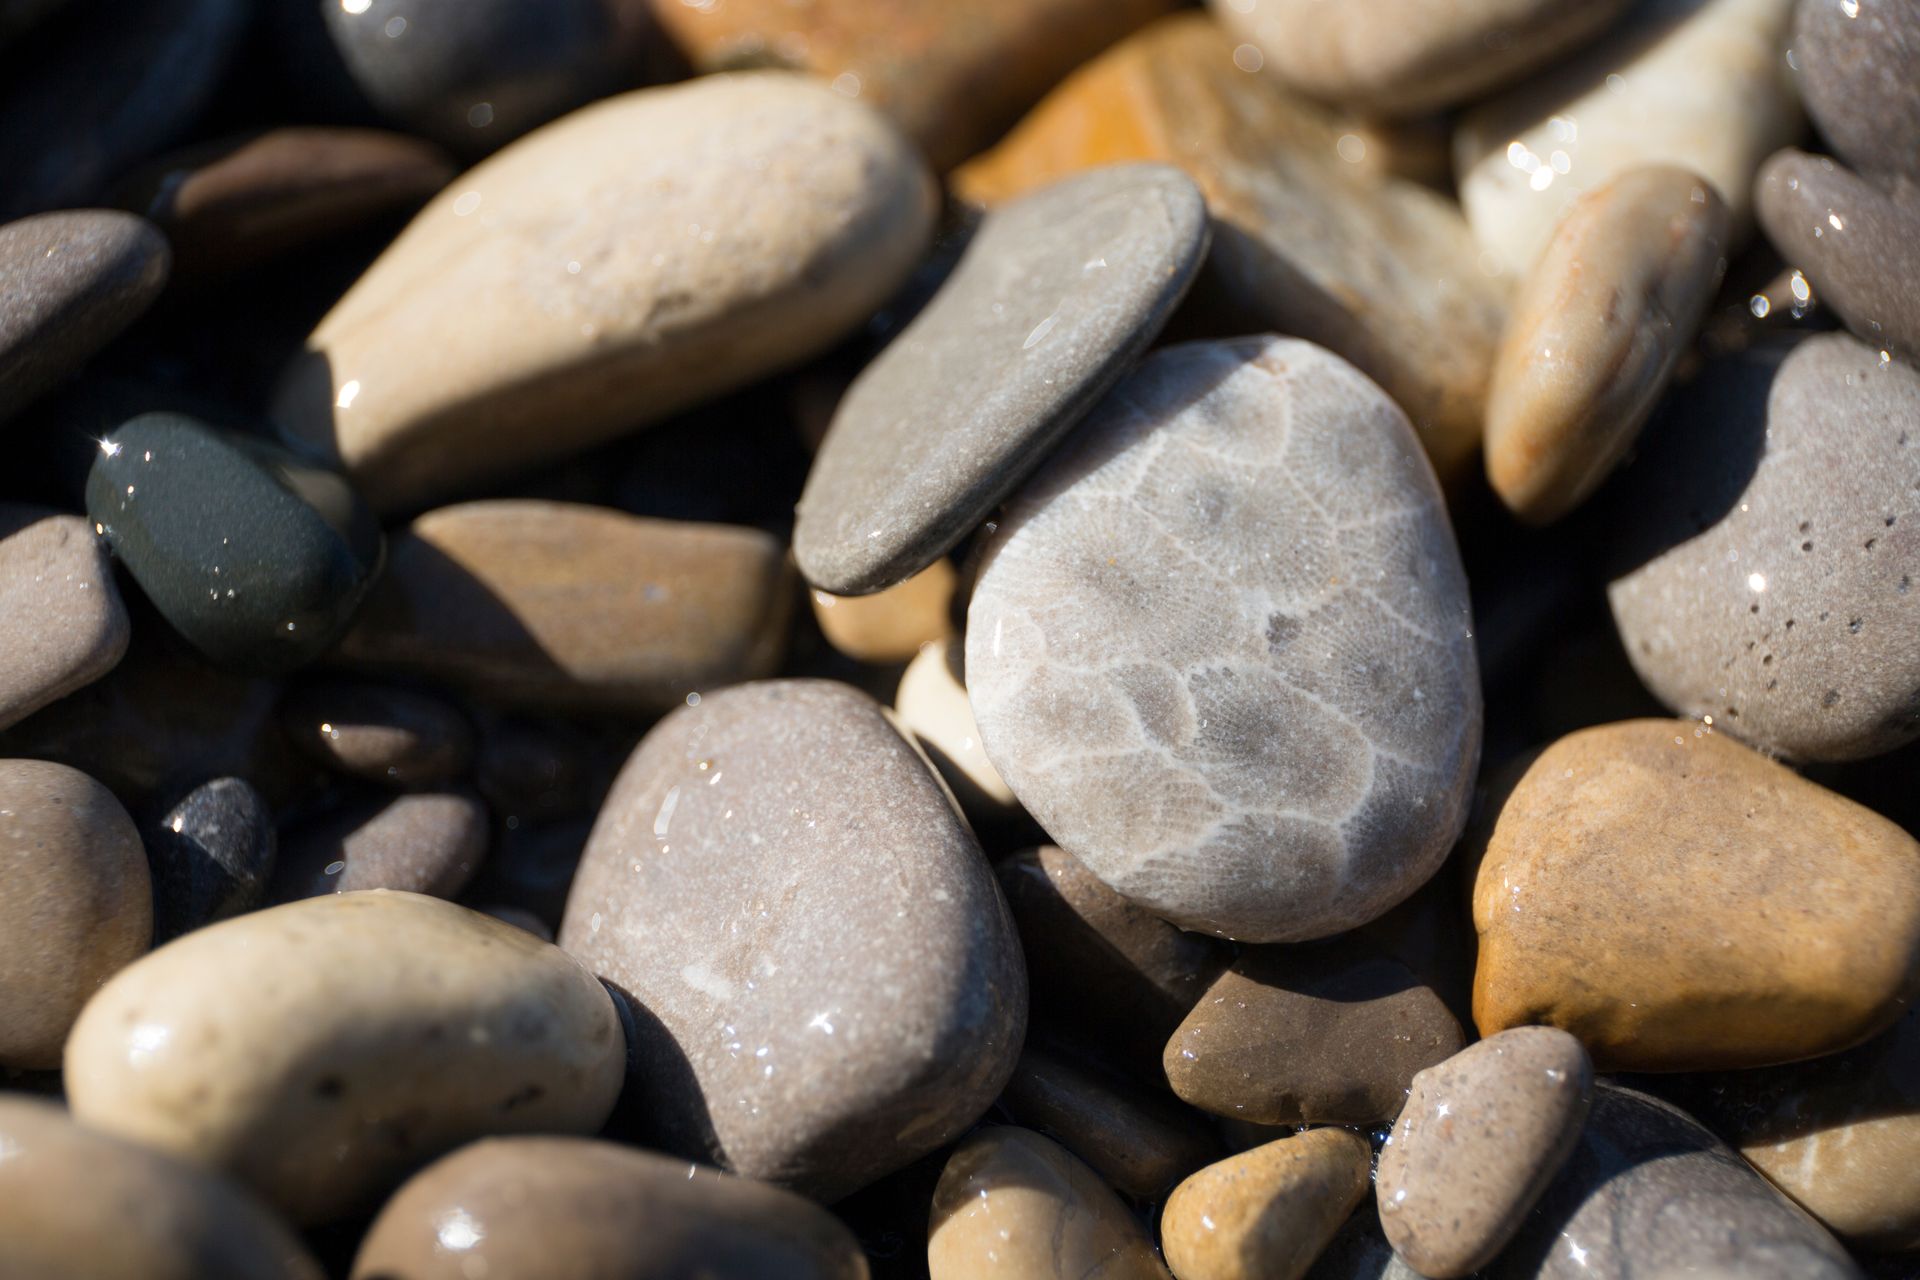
pixel 212 856
pixel 1267 1213
pixel 427 842
pixel 1010 1203
pixel 62 623
pixel 1595 332
pixel 1266 746
pixel 70 282
pixel 1057 294
pixel 555 297
pixel 256 557
pixel 1858 62
pixel 577 1209
pixel 1482 1135
pixel 77 906
pixel 1630 893
pixel 556 607
pixel 825 979
pixel 892 625
pixel 1767 546
pixel 355 1036
pixel 78 1205
pixel 396 737
pixel 932 703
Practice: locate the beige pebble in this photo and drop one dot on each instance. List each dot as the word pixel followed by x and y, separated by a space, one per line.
pixel 932 703
pixel 891 625
pixel 1267 1213
pixel 62 625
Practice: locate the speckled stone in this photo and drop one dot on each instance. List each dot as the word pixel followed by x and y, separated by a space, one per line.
pixel 827 983
pixel 1136 643
pixel 77 908
pixel 1681 903
pixel 62 625
pixel 932 703
pixel 357 1036
pixel 1407 56
pixel 1267 1213
pixel 69 283
pixel 77 1205
pixel 892 625
pixel 395 737
pixel 1595 332
pixel 474 347
pixel 1481 1136
pixel 1310 1035
pixel 254 556
pixel 1057 294
pixel 577 1209
pixel 212 857
pixel 429 842
pixel 1859 61
pixel 1767 551
pixel 1013 1206
pixel 1857 241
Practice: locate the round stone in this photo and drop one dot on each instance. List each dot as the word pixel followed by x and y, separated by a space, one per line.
pixel 212 856
pixel 398 738
pixel 1859 61
pixel 62 622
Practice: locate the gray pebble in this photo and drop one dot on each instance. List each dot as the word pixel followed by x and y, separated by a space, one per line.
pixel 62 623
pixel 212 857
pixel 429 842
pixel 1859 64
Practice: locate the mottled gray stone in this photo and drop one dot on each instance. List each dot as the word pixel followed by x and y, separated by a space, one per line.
pixel 62 624
pixel 212 857
pixel 1768 551
pixel 1221 647
pixel 430 842
pixel 826 984
pixel 1057 294
pixel 1859 64
pixel 395 737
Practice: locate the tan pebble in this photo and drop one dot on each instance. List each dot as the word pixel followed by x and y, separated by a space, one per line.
pixel 1267 1213
pixel 891 625
pixel 62 625
pixel 932 703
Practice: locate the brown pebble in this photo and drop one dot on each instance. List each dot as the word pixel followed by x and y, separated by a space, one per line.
pixel 428 842
pixel 395 737
pixel 62 625
pixel 1267 1213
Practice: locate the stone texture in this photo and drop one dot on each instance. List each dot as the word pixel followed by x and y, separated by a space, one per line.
pixel 1681 903
pixel 1267 1213
pixel 398 738
pixel 1766 548
pixel 62 625
pixel 1406 56
pixel 555 607
pixel 1595 332
pixel 1012 1204
pixel 354 1037
pixel 1135 643
pixel 1701 84
pixel 892 625
pixel 428 842
pixel 1057 295
pixel 212 856
pixel 825 980
pixel 1377 269
pixel 1332 1034
pixel 77 1205
pixel 932 703
pixel 576 1209
pixel 1358 1251
pixel 1481 1136
pixel 77 905
pixel 474 346
pixel 70 282
pixel 1859 61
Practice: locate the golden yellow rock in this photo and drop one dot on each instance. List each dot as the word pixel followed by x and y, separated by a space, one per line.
pixel 891 625
pixel 1267 1213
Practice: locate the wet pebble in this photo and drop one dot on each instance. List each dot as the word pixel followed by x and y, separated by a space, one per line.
pixel 62 624
pixel 212 857
pixel 427 842
pixel 396 737
pixel 1859 61
pixel 1267 1213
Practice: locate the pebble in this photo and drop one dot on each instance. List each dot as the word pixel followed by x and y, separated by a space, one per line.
pixel 604 273
pixel 932 704
pixel 1857 241
pixel 1766 547
pixel 212 857
pixel 890 626
pixel 1701 84
pixel 1310 1035
pixel 255 557
pixel 554 606
pixel 62 624
pixel 1359 1251
pixel 78 1205
pixel 1404 57
pixel 826 980
pixel 1057 295
pixel 1595 332
pixel 398 738
pixel 579 1209
pixel 1377 269
pixel 1012 1205
pixel 1681 903
pixel 70 282
pixel 1134 645
pixel 428 842
pixel 77 906
pixel 1267 1213
pixel 1481 1136
pixel 355 1037
pixel 1859 61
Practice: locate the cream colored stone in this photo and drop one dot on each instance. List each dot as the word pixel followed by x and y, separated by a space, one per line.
pixel 1267 1213
pixel 891 625
pixel 932 704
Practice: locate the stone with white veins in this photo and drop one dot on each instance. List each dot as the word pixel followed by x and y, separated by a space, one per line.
pixel 1221 647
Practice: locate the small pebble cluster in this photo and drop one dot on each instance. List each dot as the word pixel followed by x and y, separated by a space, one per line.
pixel 959 639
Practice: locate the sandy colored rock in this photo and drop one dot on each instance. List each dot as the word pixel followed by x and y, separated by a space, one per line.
pixel 62 624
pixel 604 272
pixel 892 625
pixel 1267 1213
pixel 1481 1136
pixel 429 842
pixel 1859 61
pixel 354 1037
pixel 932 703
pixel 555 606
pixel 1013 1206
pixel 1681 903
pixel 1596 329
pixel 396 737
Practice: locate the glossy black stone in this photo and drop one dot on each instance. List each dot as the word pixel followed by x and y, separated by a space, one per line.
pixel 257 558
pixel 212 857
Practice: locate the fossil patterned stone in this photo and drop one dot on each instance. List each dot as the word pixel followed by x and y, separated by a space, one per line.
pixel 1859 61
pixel 62 623
pixel 1221 648
pixel 1265 1214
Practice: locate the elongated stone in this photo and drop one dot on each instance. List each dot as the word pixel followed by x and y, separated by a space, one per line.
pixel 1265 1214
